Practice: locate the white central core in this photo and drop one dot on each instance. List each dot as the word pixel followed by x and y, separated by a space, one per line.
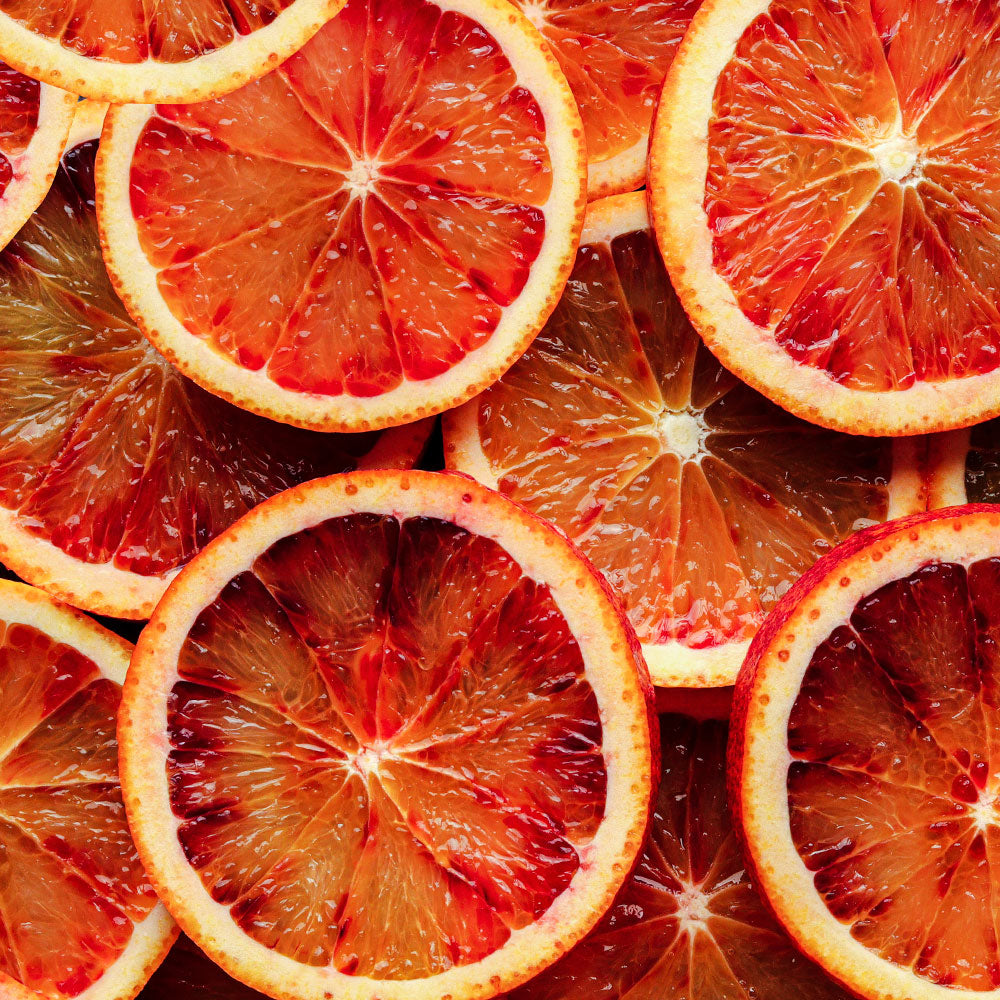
pixel 682 433
pixel 534 11
pixel 367 760
pixel 897 157
pixel 692 905
pixel 984 812
pixel 362 175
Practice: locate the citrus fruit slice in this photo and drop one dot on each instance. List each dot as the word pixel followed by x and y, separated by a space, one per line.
pixel 822 190
pixel 699 500
pixel 114 469
pixel 399 202
pixel 34 122
pixel 964 466
pixel 124 52
pixel 863 758
pixel 688 923
pixel 78 916
pixel 388 736
pixel 615 55
pixel 187 972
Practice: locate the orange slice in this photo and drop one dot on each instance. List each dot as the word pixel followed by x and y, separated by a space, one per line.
pixel 964 466
pixel 123 52
pixel 397 206
pixel 34 122
pixel 387 737
pixel 689 923
pixel 114 469
pixel 823 191
pixel 699 500
pixel 863 759
pixel 78 916
pixel 615 55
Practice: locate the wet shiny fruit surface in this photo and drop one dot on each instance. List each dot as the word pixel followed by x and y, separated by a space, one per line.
pixel 20 97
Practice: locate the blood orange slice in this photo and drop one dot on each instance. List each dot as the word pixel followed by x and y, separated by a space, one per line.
pixel 699 500
pixel 387 736
pixel 114 469
pixel 34 123
pixel 689 923
pixel 78 916
pixel 400 204
pixel 822 187
pixel 615 55
pixel 864 758
pixel 964 466
pixel 123 52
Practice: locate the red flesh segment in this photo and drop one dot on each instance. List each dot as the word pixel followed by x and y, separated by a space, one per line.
pixel 397 227
pixel 71 885
pixel 688 922
pixel 20 97
pixel 851 270
pixel 573 430
pixel 95 412
pixel 365 687
pixel 893 792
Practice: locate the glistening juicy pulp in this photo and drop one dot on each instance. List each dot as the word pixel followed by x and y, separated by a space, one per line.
pixel 701 501
pixel 384 756
pixel 20 98
pixel 383 195
pixel 851 188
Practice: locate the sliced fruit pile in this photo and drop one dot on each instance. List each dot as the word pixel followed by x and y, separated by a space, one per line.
pixel 387 734
pixel 699 499
pixel 77 912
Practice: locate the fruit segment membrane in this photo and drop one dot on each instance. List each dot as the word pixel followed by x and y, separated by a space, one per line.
pixel 688 923
pixel 700 500
pixel 20 97
pixel 893 790
pixel 71 885
pixel 851 189
pixel 105 450
pixel 384 754
pixel 382 207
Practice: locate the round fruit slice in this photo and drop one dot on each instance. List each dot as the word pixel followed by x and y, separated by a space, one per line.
pixel 688 923
pixel 615 55
pixel 114 469
pixel 388 736
pixel 369 234
pixel 964 466
pixel 863 758
pixel 823 190
pixel 124 52
pixel 78 916
pixel 34 122
pixel 699 500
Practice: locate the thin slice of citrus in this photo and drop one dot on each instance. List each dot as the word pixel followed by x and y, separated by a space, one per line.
pixel 78 916
pixel 615 54
pixel 689 924
pixel 187 972
pixel 864 758
pixel 371 233
pixel 136 51
pixel 34 122
pixel 388 736
pixel 964 466
pixel 114 468
pixel 699 499
pixel 823 184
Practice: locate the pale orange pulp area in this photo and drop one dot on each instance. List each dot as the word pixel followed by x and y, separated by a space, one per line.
pixel 893 789
pixel 20 98
pixel 851 188
pixel 385 755
pixel 688 923
pixel 71 885
pixel 699 500
pixel 105 450
pixel 615 54
pixel 383 196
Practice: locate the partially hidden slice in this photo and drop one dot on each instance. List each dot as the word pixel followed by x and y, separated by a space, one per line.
pixel 388 736
pixel 109 50
pixel 371 233
pixel 34 122
pixel 689 923
pixel 863 758
pixel 615 55
pixel 114 468
pixel 823 184
pixel 964 466
pixel 699 500
pixel 78 916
